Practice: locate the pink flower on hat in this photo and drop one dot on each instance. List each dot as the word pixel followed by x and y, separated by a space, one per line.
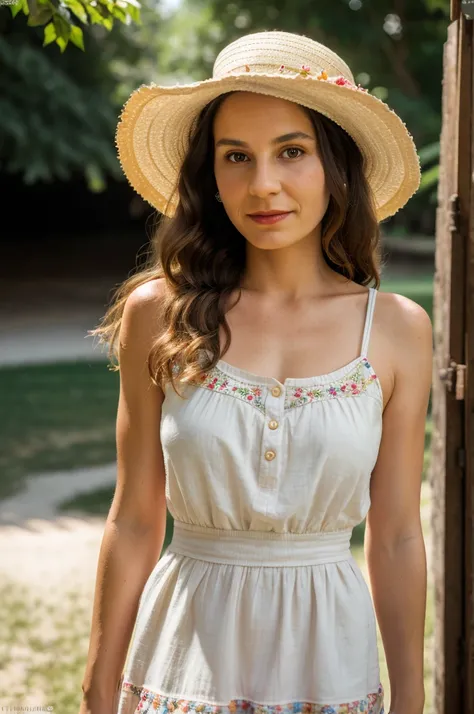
pixel 305 70
pixel 343 82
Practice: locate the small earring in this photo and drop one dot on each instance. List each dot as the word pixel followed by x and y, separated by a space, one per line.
pixel 218 197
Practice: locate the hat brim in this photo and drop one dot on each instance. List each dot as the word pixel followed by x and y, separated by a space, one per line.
pixel 152 134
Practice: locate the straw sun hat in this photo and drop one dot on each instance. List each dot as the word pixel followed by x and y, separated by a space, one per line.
pixel 153 132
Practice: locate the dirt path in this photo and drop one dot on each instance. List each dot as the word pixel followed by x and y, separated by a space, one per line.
pixel 48 566
pixel 42 547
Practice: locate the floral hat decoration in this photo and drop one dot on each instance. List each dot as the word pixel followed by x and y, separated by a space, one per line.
pixel 156 122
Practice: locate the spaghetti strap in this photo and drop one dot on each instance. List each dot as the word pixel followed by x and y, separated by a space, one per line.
pixel 368 321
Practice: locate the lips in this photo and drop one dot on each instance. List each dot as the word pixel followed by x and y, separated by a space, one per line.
pixel 268 213
pixel 269 217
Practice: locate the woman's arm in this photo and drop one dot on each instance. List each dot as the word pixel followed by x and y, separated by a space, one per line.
pixel 135 526
pixel 394 545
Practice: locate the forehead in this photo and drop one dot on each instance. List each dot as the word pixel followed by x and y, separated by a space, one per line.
pixel 252 113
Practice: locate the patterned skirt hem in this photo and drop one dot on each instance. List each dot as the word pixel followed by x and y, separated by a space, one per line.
pixel 151 701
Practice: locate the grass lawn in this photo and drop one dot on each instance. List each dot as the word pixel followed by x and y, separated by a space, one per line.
pixel 54 417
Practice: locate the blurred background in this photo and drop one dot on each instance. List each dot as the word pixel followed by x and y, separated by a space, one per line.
pixel 73 230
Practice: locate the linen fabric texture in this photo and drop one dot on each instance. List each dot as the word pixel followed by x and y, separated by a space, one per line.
pixel 258 602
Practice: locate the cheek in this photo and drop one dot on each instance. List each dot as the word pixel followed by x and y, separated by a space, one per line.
pixel 230 180
pixel 310 179
pixel 309 187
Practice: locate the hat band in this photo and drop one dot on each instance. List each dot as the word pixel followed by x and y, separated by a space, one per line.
pixel 304 71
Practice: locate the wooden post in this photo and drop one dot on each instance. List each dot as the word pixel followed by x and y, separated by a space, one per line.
pixel 446 474
pixel 468 134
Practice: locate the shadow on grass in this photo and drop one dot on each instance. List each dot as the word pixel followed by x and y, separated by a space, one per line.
pixel 55 417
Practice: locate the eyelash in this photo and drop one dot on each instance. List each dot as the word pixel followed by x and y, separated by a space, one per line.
pixel 289 148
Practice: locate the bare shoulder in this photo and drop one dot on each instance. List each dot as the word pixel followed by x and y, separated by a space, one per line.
pixel 409 325
pixel 142 317
pixel 148 295
pixel 407 334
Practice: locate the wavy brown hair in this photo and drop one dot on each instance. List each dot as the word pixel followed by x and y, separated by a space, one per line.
pixel 201 255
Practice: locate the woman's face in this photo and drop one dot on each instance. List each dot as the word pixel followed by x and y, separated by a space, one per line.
pixel 266 159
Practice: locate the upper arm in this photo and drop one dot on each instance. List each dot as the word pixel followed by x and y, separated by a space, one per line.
pixel 139 498
pixel 394 513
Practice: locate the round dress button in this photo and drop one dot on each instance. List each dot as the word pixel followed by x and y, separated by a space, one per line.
pixel 273 424
pixel 270 455
pixel 276 391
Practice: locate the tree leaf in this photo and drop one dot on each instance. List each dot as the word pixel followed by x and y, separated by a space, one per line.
pixel 119 14
pixel 62 42
pixel 77 36
pixel 134 14
pixel 94 14
pixel 63 28
pixel 76 7
pixel 15 9
pixel 49 34
pixel 40 14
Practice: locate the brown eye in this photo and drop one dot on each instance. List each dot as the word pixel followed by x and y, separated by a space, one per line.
pixel 293 155
pixel 236 153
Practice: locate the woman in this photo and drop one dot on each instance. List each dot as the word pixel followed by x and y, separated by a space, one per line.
pixel 272 177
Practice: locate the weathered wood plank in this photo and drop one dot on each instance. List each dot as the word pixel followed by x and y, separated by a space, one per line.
pixel 448 421
pixel 469 413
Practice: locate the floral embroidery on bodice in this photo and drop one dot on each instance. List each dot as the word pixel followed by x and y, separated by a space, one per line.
pixel 353 383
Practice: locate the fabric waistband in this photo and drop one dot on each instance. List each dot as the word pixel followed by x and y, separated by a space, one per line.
pixel 237 547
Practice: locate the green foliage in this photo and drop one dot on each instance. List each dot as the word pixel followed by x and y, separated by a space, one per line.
pixel 59 111
pixel 60 18
pixel 57 118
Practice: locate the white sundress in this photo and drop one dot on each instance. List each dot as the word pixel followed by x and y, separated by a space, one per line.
pixel 258 603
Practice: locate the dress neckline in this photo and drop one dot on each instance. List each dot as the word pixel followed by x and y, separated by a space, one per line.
pixel 361 361
pixel 257 379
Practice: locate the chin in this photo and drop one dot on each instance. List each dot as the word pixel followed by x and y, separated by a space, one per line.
pixel 271 240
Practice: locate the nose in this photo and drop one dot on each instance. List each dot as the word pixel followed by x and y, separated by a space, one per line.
pixel 264 179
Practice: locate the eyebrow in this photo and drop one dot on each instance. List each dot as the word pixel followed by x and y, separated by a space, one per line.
pixel 278 140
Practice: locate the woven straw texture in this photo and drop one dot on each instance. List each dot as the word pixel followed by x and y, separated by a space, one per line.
pixel 156 122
